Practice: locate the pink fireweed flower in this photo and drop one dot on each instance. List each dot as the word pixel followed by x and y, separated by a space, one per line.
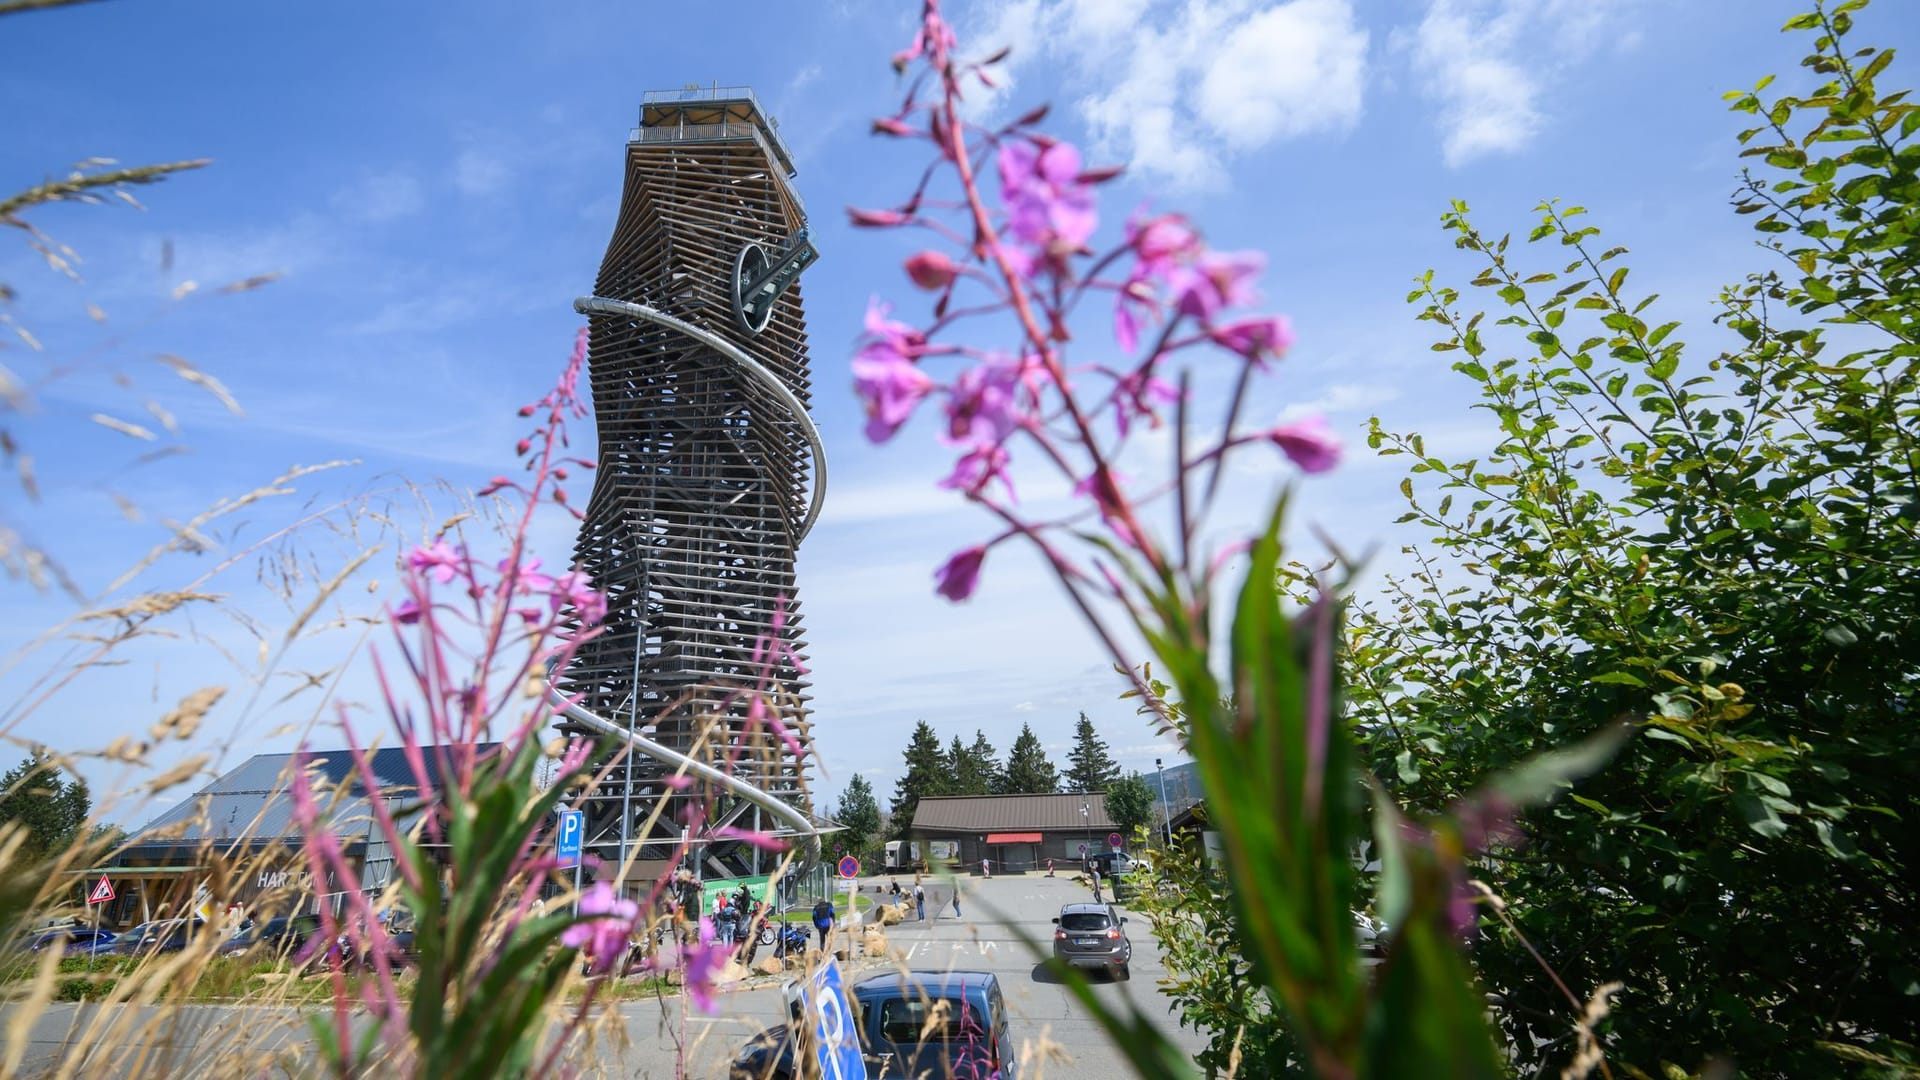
pixel 602 939
pixel 703 963
pixel 1308 443
pixel 441 560
pixel 957 579
pixel 1135 397
pixel 761 840
pixel 528 578
pixel 1047 205
pixel 893 335
pixel 1215 281
pixel 932 270
pixel 1257 338
pixel 407 613
pixel 983 405
pixel 890 387
pixel 977 468
pixel 1133 308
pixel 574 589
pixel 935 40
pixel 1160 244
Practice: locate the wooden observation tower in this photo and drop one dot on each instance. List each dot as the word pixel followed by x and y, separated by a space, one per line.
pixel 710 474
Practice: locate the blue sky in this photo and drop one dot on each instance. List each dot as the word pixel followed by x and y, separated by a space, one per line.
pixel 436 183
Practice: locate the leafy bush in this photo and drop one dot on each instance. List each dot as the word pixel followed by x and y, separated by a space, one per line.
pixel 1724 547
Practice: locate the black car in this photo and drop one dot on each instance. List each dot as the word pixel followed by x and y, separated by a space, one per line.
pixel 163 935
pixel 1090 936
pixel 277 938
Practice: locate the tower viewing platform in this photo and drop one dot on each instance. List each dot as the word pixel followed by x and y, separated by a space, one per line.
pixel 710 114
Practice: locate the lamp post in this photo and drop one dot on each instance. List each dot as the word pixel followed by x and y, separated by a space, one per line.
pixel 1166 807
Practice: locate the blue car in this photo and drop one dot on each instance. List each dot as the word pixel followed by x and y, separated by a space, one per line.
pixel 962 1014
pixel 79 942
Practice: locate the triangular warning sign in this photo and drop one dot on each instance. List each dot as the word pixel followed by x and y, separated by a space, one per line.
pixel 102 892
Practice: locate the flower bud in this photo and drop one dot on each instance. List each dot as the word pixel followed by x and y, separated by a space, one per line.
pixel 932 270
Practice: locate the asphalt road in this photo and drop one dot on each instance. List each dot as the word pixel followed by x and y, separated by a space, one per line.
pixel 1057 1040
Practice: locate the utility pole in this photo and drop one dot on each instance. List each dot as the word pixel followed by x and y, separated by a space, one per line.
pixel 1166 808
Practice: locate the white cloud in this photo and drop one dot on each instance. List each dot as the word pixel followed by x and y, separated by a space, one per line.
pixel 1340 398
pixel 476 172
pixel 1178 86
pixel 381 198
pixel 1481 62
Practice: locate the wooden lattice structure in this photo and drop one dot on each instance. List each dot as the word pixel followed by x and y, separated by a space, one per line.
pixel 707 478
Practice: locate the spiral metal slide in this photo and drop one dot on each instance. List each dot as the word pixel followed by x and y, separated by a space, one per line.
pixel 745 365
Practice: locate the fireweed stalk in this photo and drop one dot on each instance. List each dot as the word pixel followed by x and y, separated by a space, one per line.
pixel 475 640
pixel 1283 787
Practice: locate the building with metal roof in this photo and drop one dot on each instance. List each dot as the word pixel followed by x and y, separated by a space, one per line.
pixel 235 845
pixel 1017 832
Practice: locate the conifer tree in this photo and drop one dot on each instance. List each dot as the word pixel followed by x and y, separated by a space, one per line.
pixel 926 774
pixel 1028 770
pixel 1090 767
pixel 978 771
pixel 859 813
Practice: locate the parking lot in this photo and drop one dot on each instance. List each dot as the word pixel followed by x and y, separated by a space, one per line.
pixel 1057 1040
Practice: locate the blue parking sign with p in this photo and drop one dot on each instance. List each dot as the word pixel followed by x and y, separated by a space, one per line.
pixel 572 830
pixel 835 1040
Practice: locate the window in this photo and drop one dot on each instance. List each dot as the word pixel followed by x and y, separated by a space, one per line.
pixel 1081 922
pixel 903 1019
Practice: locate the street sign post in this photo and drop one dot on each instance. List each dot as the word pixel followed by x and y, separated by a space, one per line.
pixel 101 893
pixel 1113 840
pixel 566 838
pixel 835 1043
pixel 1083 850
pixel 849 867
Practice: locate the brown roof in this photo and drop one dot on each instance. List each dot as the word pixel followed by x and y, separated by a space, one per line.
pixel 1010 813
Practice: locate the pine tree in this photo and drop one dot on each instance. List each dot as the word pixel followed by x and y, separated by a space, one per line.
pixel 958 773
pixel 1028 770
pixel 1090 767
pixel 980 772
pixel 859 814
pixel 925 775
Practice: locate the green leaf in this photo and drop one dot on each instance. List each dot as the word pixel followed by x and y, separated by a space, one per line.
pixel 1543 775
pixel 1840 635
pixel 1759 816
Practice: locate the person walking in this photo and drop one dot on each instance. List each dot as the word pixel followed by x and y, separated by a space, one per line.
pixel 823 915
pixel 685 899
pixel 956 900
pixel 920 900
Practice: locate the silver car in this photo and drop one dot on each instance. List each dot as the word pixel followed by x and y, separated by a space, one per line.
pixel 1092 936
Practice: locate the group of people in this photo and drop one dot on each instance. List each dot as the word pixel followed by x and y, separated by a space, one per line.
pixel 919 895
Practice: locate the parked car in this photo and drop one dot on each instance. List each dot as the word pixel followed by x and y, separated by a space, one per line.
pixel 79 942
pixel 276 939
pixel 1092 936
pixel 161 935
pixel 970 1041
